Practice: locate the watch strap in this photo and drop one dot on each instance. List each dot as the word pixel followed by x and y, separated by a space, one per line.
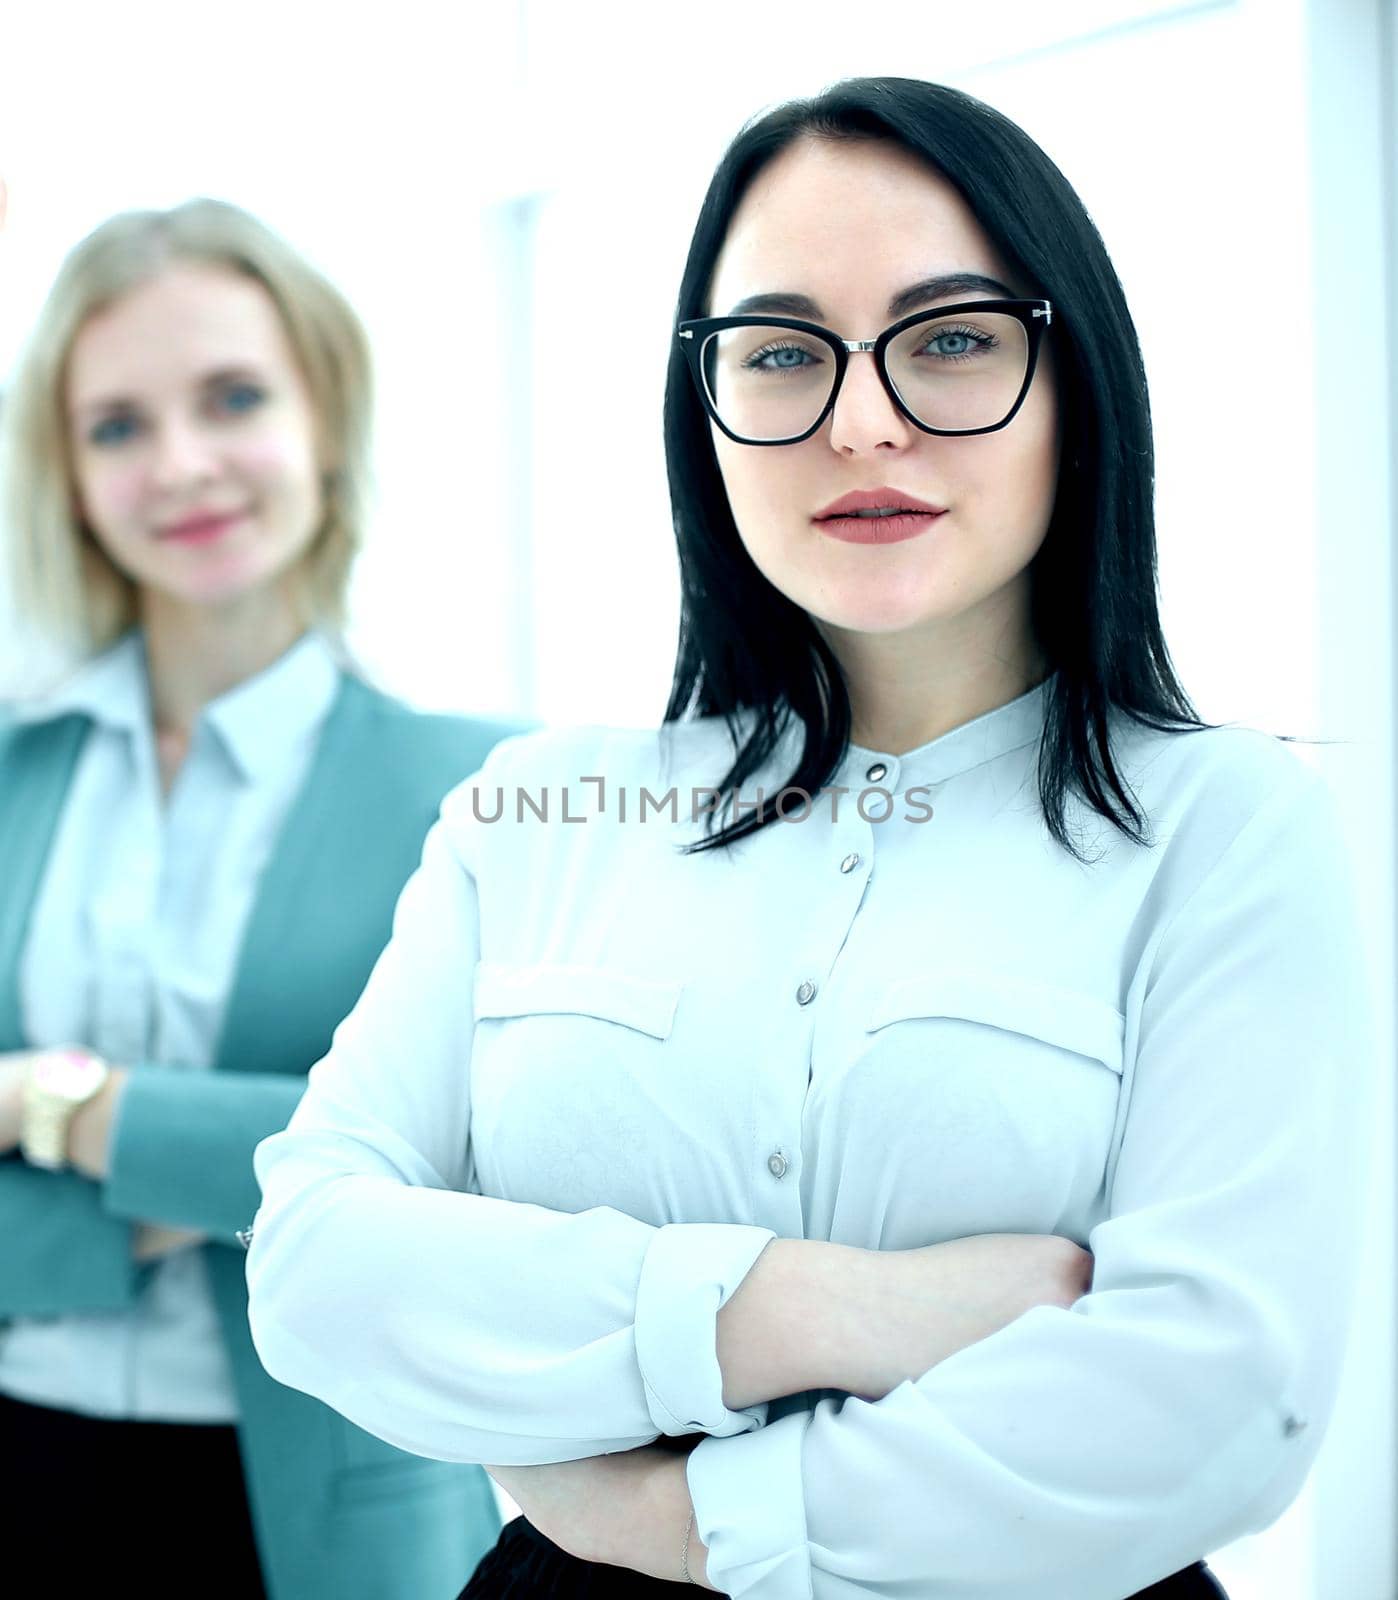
pixel 46 1118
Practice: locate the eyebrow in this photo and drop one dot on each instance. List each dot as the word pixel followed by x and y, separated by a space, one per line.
pixel 211 380
pixel 786 303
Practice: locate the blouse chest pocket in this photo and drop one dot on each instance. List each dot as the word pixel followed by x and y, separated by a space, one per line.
pixel 646 1005
pixel 1066 1019
pixel 1007 1091
pixel 565 1061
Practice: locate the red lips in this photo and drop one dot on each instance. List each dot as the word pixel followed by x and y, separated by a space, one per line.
pixel 200 524
pixel 876 500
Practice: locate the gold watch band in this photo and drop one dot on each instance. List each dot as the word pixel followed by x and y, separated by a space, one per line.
pixel 52 1098
pixel 43 1139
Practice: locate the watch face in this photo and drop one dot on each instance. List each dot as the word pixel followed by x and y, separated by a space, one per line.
pixel 69 1074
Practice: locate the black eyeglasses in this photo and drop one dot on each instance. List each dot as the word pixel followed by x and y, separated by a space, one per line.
pixel 954 370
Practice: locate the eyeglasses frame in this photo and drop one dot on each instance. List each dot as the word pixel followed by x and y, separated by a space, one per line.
pixel 1036 315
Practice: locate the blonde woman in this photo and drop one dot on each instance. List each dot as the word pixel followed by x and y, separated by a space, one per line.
pixel 203 828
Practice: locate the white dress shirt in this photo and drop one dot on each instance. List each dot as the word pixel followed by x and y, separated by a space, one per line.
pixel 131 951
pixel 591 1078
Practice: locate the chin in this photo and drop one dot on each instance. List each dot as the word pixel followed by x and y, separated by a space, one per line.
pixel 878 615
pixel 218 590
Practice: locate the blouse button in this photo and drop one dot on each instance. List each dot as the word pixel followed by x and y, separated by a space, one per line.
pixel 850 862
pixel 776 1164
pixel 877 771
pixel 806 993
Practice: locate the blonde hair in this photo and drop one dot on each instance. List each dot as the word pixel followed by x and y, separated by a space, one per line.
pixel 63 585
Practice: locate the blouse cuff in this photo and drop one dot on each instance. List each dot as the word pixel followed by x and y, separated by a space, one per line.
pixel 688 1273
pixel 764 1555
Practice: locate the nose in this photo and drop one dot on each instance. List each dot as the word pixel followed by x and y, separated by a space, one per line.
pixel 864 417
pixel 183 456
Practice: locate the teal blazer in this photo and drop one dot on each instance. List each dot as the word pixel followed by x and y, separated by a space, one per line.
pixel 338 1514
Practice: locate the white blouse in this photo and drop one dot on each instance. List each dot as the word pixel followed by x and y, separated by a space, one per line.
pixel 591 1078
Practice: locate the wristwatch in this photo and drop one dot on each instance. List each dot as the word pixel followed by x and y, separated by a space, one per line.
pixel 59 1082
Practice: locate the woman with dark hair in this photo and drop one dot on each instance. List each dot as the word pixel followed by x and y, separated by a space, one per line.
pixel 930 1082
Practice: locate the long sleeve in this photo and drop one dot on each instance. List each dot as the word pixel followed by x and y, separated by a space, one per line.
pixel 181 1155
pixel 183 1144
pixel 451 1323
pixel 1081 1454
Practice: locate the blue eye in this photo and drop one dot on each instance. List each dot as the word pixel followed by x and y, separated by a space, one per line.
pixel 965 343
pixel 112 430
pixel 243 397
pixel 781 358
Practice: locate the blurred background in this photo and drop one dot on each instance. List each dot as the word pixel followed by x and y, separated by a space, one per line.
pixel 505 192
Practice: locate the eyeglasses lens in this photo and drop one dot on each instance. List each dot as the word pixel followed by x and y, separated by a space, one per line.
pixel 962 372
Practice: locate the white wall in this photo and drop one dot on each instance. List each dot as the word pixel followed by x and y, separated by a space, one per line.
pixel 1345 54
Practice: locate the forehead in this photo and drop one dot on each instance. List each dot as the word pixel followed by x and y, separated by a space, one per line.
pixel 189 319
pixel 847 222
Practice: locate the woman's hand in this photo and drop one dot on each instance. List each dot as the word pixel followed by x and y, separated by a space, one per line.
pixel 87 1147
pixel 628 1509
pixel 815 1315
pixel 568 1500
pixel 152 1240
pixel 894 1314
pixel 921 1306
pixel 89 1132
pixel 14 1069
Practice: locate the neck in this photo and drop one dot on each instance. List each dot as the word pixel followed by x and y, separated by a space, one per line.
pixel 903 694
pixel 196 653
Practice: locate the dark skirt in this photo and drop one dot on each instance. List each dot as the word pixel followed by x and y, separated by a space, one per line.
pixel 157 1507
pixel 525 1565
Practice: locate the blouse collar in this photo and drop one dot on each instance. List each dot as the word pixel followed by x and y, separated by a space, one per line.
pixel 994 733
pixel 259 722
pixel 971 744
